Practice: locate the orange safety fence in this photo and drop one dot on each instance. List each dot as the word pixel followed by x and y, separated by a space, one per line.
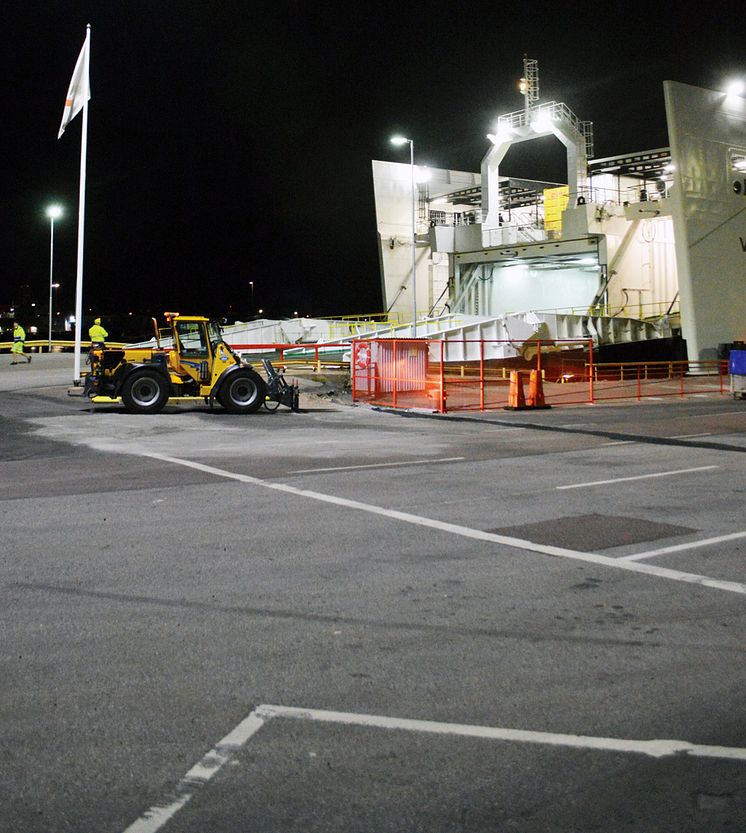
pixel 460 375
pixel 656 380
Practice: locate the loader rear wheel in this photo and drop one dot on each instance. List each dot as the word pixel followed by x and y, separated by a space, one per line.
pixel 145 392
pixel 242 392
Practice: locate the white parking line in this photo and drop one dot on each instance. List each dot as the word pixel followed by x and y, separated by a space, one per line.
pixel 456 529
pixel 705 542
pixel 154 818
pixel 379 465
pixel 636 477
pixel 159 814
pixel 652 748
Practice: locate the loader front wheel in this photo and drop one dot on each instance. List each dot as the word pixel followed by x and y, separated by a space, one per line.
pixel 242 392
pixel 145 392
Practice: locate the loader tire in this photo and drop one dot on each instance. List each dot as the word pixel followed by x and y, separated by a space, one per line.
pixel 242 392
pixel 145 392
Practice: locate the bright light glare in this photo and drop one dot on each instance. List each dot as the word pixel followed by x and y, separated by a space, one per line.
pixel 399 140
pixel 54 211
pixel 504 133
pixel 541 123
pixel 736 87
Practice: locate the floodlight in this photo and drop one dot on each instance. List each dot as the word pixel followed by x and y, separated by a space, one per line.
pixel 542 122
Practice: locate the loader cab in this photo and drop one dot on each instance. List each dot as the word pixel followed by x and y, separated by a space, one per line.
pixel 193 355
pixel 200 350
pixel 191 339
pixel 197 337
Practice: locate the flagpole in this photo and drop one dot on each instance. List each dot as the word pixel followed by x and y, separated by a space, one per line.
pixel 81 224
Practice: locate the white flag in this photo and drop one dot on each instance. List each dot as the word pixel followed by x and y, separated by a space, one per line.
pixel 79 91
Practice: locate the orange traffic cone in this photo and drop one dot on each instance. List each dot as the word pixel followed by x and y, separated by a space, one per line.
pixel 536 391
pixel 516 399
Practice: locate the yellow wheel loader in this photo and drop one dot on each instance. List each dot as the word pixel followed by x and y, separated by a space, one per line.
pixel 196 365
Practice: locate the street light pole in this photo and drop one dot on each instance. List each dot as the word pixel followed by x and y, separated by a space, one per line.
pixel 400 140
pixel 251 311
pixel 53 212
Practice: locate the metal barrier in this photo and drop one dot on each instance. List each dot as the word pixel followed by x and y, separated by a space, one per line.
pixel 639 380
pixel 58 345
pixel 416 374
pixel 299 355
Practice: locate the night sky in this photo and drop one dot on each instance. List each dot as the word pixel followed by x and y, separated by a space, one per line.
pixel 230 144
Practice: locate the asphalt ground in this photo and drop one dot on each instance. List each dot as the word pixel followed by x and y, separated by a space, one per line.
pixel 354 620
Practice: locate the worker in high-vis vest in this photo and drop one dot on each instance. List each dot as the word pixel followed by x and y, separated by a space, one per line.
pixel 97 334
pixel 19 337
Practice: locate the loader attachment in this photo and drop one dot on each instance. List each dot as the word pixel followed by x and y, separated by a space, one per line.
pixel 278 390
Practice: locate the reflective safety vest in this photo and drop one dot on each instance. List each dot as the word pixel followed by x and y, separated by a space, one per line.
pixel 97 333
pixel 19 334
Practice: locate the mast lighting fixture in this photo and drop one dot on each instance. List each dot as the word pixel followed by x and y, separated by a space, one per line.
pixel 541 122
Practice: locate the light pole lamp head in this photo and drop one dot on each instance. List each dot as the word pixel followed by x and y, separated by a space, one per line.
pixel 54 211
pixel 399 140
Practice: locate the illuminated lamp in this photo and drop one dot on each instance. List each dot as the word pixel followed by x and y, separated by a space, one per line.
pixel 542 122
